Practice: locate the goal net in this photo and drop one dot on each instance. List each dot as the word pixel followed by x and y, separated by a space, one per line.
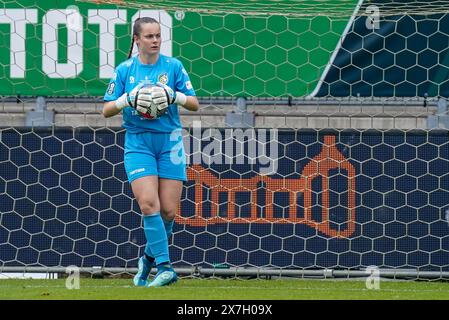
pixel 321 143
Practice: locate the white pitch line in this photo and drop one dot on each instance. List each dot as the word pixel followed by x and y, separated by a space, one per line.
pixel 235 288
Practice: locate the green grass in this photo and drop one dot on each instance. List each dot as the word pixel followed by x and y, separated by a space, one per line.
pixel 216 289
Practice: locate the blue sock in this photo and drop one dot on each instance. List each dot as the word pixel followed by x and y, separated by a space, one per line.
pixel 148 253
pixel 168 230
pixel 156 236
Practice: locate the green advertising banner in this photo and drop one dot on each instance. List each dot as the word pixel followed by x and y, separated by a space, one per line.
pixel 70 48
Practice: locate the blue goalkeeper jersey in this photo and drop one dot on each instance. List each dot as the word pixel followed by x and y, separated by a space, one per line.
pixel 131 72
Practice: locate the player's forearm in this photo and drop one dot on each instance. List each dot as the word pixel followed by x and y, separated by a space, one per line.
pixel 110 109
pixel 191 103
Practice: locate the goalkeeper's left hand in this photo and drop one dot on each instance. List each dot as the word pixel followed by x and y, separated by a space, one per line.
pixel 162 94
pixel 159 97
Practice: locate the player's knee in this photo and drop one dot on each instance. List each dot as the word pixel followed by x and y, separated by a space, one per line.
pixel 149 206
pixel 168 214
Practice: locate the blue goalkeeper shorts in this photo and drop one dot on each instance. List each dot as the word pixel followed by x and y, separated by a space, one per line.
pixel 155 153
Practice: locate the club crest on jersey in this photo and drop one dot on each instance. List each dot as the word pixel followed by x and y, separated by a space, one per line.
pixel 163 78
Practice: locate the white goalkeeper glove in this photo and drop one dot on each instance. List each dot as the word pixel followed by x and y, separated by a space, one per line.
pixel 163 94
pixel 144 100
pixel 159 97
pixel 128 99
pixel 139 98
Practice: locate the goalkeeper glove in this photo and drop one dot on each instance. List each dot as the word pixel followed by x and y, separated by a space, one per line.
pixel 147 105
pixel 164 93
pixel 127 99
pixel 159 97
pixel 138 97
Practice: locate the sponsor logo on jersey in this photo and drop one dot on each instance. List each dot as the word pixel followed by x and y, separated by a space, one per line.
pixel 163 78
pixel 137 171
pixel 111 88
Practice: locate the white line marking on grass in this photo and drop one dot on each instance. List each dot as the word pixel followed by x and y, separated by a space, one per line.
pixel 222 287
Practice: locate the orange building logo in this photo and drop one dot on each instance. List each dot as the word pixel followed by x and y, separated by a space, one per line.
pixel 330 158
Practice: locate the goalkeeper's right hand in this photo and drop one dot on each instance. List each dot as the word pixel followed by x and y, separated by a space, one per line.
pixel 139 98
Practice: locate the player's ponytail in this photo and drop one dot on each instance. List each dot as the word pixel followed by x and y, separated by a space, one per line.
pixel 131 49
pixel 137 28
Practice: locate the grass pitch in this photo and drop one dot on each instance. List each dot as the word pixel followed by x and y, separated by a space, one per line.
pixel 223 289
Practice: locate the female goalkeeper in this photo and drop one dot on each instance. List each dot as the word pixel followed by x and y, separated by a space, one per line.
pixel 154 154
